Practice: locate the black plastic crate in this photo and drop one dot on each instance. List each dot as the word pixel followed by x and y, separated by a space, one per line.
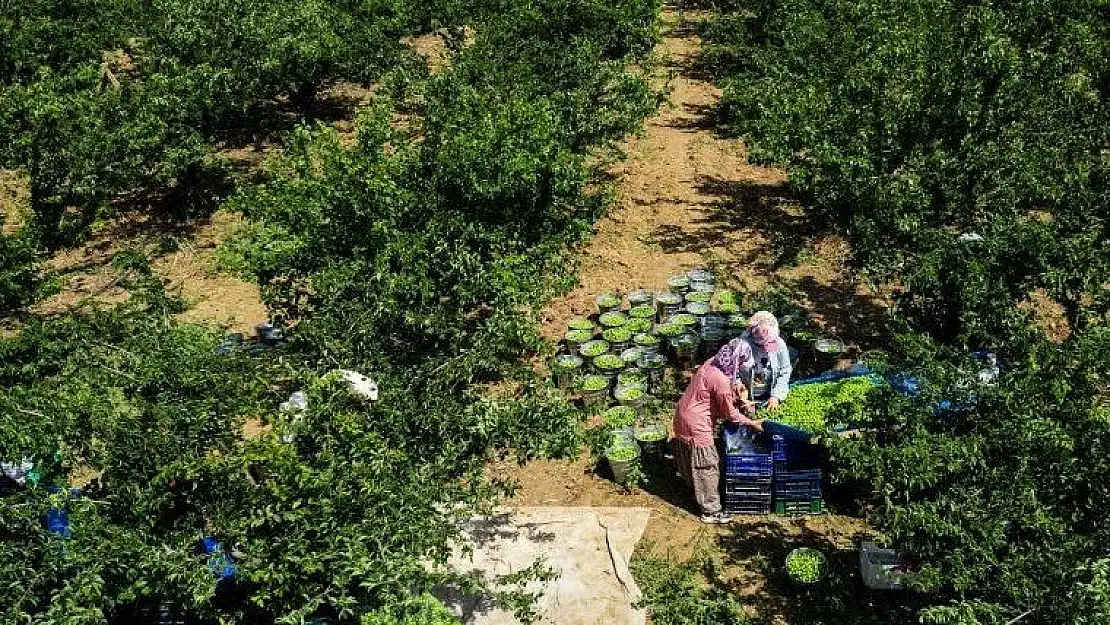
pixel 799 491
pixel 747 505
pixel 799 476
pixel 748 486
pixel 749 496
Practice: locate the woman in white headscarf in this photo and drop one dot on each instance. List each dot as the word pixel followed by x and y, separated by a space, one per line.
pixel 769 376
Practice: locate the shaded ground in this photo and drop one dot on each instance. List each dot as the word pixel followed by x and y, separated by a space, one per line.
pixel 182 253
pixel 689 198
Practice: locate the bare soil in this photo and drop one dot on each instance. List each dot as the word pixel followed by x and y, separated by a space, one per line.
pixel 15 201
pixel 689 198
pixel 189 267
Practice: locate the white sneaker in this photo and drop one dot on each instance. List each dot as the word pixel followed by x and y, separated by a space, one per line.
pixel 719 518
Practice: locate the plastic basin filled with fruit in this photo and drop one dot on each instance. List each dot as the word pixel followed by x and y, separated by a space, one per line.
pixel 565 367
pixel 620 457
pixel 607 302
pixel 631 395
pixel 651 438
pixel 612 319
pixel 806 566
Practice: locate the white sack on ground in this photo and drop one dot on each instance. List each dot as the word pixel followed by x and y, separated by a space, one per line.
pixel 588 548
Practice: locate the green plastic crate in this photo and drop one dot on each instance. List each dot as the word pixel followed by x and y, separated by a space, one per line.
pixel 791 508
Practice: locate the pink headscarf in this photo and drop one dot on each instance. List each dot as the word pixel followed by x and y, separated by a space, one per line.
pixel 734 357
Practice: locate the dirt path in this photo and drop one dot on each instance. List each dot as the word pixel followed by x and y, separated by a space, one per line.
pixel 690 198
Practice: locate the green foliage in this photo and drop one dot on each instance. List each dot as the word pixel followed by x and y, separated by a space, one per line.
pixel 18 264
pixel 675 594
pixel 905 127
pixel 103 101
pixel 414 255
pixel 422 610
pixel 909 125
pixel 1000 502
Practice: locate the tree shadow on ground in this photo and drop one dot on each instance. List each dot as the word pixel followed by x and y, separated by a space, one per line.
pixel 786 245
pixel 840 598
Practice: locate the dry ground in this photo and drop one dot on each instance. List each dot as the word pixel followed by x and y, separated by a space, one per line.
pixel 690 198
pixel 188 265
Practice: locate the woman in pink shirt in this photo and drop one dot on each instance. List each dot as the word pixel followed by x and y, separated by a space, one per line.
pixel 713 394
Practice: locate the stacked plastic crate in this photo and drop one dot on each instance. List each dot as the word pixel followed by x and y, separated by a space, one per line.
pixel 748 482
pixel 796 490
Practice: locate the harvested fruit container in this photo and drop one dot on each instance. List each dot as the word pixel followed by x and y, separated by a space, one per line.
pixel 685 319
pixel 580 323
pixel 636 325
pixel 827 351
pixel 612 319
pixel 700 276
pixel 698 296
pixel 736 325
pixel 727 308
pixel 737 504
pixel 565 369
pixel 698 309
pixel 712 338
pixel 714 320
pixel 749 465
pixel 798 485
pixel 595 392
pixel 608 365
pixel 575 339
pixel 652 439
pixel 632 377
pixel 881 569
pixel 619 339
pixel 654 366
pixel 667 304
pixel 648 343
pixel 678 284
pixel 787 507
pixel 621 458
pixel 669 332
pixel 632 396
pixel 607 302
pixel 631 356
pixel 806 566
pixel 593 349
pixel 620 417
pixel 685 348
pixel 640 297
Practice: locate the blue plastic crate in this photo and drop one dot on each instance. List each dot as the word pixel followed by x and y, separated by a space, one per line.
pixel 749 464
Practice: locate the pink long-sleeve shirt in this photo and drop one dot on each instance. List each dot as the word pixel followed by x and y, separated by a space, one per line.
pixel 708 397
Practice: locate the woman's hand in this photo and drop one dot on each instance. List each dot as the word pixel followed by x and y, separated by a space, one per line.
pixel 773 403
